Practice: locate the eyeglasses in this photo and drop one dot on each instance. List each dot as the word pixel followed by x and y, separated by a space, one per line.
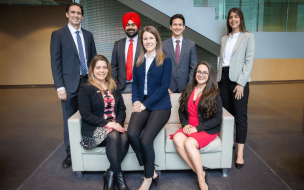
pixel 202 73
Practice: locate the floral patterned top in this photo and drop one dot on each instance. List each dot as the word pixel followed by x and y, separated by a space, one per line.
pixel 109 103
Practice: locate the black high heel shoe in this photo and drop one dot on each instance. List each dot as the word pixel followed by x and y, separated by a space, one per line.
pixel 238 166
pixel 108 180
pixel 155 180
pixel 120 181
pixel 206 179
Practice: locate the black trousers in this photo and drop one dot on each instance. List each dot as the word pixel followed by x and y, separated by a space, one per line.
pixel 69 107
pixel 238 108
pixel 150 122
pixel 117 147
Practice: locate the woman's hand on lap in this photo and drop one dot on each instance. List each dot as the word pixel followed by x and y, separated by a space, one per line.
pixel 137 107
pixel 192 130
pixel 186 129
pixel 142 107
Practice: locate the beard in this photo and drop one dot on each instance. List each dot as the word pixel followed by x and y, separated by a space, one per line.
pixel 131 35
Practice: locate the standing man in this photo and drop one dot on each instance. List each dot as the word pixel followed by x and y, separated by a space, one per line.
pixel 125 52
pixel 182 53
pixel 72 49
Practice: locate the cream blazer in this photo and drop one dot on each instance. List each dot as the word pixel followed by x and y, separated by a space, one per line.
pixel 241 60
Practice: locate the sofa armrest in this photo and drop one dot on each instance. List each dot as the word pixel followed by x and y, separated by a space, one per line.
pixel 226 136
pixel 74 125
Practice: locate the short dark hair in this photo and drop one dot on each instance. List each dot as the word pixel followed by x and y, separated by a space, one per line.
pixel 74 4
pixel 177 16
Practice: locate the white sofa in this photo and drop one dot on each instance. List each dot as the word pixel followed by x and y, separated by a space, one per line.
pixel 217 155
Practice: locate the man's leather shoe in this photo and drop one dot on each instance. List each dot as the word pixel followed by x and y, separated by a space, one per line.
pixel 67 162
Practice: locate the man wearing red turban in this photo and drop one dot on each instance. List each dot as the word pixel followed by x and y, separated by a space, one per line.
pixel 125 52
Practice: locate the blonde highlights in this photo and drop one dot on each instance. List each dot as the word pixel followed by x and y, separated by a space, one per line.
pixel 111 85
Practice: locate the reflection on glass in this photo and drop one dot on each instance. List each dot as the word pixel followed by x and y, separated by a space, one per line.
pixel 262 15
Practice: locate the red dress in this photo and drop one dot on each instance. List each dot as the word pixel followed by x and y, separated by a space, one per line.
pixel 202 137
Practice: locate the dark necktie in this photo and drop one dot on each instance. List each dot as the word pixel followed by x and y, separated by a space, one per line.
pixel 129 63
pixel 177 51
pixel 81 55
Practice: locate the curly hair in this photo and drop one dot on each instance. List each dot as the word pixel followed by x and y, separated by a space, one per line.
pixel 207 102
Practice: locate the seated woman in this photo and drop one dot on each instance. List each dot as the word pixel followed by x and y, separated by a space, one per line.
pixel 103 113
pixel 151 101
pixel 200 113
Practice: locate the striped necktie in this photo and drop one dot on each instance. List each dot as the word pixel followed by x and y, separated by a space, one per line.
pixel 81 55
pixel 177 51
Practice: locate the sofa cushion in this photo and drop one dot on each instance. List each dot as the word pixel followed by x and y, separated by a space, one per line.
pixel 214 146
pixel 100 150
pixel 128 103
pixel 174 110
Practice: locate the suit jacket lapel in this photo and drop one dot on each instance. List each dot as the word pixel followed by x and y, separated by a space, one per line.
pixel 86 42
pixel 224 45
pixel 99 94
pixel 69 36
pixel 122 51
pixel 183 51
pixel 171 49
pixel 153 64
pixel 137 49
pixel 238 42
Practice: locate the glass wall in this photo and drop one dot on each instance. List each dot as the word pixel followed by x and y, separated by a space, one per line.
pixel 262 15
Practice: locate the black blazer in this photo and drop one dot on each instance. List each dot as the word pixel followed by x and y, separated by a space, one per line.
pixel 118 62
pixel 183 71
pixel 91 108
pixel 212 125
pixel 65 59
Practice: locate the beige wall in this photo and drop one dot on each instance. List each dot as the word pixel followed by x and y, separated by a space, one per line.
pixel 25 35
pixel 277 69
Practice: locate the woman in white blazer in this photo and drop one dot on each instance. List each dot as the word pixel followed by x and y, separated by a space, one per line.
pixel 236 60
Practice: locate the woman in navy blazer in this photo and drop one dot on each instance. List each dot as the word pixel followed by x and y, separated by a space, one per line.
pixel 101 106
pixel 151 101
pixel 235 65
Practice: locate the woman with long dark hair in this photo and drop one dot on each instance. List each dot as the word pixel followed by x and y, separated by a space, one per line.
pixel 200 113
pixel 235 65
pixel 151 101
pixel 103 113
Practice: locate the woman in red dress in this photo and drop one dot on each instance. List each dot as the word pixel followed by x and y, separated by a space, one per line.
pixel 200 114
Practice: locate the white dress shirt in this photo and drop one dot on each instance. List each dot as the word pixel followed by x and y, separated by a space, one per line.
pixel 135 40
pixel 74 35
pixel 231 40
pixel 148 64
pixel 180 43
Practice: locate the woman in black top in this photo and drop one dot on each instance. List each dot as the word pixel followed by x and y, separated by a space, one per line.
pixel 103 111
pixel 200 113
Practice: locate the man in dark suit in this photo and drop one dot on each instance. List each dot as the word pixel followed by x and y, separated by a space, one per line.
pixel 183 54
pixel 125 52
pixel 72 49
